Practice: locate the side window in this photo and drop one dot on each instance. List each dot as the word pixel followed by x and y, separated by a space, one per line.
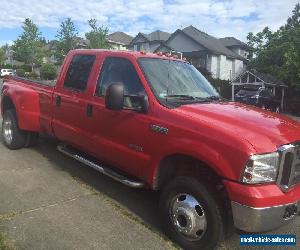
pixel 121 70
pixel 79 71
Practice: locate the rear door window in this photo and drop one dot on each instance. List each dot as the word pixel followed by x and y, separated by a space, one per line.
pixel 79 72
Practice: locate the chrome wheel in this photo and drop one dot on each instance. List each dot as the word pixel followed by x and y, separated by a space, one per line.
pixel 188 216
pixel 7 129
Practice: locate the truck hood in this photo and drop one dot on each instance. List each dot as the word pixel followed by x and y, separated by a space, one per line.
pixel 264 130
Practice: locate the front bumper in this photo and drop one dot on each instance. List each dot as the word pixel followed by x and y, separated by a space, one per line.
pixel 252 219
pixel 258 208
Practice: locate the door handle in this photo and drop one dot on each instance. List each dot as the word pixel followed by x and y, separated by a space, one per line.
pixel 89 110
pixel 58 100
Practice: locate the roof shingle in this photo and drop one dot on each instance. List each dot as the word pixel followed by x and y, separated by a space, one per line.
pixel 211 43
pixel 120 37
pixel 232 41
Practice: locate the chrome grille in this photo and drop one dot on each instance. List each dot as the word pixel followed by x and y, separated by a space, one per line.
pixel 297 165
pixel 289 170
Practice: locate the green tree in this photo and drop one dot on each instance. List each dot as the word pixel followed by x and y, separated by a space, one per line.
pixel 2 56
pixel 66 36
pixel 30 46
pixel 278 52
pixel 97 36
pixel 48 71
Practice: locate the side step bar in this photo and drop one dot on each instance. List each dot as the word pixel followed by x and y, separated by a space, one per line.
pixel 101 168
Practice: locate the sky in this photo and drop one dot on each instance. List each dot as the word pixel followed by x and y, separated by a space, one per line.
pixel 218 18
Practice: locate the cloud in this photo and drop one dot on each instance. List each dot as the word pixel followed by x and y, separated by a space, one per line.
pixel 3 42
pixel 218 18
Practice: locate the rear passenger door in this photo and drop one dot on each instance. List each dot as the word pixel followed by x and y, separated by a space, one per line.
pixel 70 101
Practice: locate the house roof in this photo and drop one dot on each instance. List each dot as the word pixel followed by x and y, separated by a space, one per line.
pixel 120 37
pixel 158 36
pixel 232 42
pixel 211 43
pixel 154 36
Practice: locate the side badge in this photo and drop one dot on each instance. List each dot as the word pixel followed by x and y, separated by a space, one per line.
pixel 159 129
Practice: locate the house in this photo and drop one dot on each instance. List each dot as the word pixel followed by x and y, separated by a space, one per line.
pixel 9 58
pixel 51 47
pixel 150 42
pixel 224 58
pixel 119 40
pixel 236 46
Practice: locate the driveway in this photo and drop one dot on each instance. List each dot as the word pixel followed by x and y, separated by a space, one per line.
pixel 49 201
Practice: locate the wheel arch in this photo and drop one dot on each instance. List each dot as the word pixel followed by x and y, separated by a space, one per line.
pixel 182 164
pixel 7 103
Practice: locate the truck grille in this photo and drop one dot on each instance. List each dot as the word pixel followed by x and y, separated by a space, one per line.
pixel 289 171
pixel 297 165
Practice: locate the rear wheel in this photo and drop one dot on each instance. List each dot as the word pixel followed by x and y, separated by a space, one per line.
pixel 13 137
pixel 191 214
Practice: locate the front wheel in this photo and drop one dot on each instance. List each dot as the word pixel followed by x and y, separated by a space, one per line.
pixel 191 214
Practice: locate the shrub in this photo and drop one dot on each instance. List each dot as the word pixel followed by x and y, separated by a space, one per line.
pixel 33 75
pixel 223 87
pixel 48 71
pixel 20 72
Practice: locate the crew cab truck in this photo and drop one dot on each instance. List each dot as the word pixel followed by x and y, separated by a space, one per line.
pixel 152 120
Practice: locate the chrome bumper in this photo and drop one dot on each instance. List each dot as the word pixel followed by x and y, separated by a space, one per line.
pixel 252 219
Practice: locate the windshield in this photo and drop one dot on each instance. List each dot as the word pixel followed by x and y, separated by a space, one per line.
pixel 169 79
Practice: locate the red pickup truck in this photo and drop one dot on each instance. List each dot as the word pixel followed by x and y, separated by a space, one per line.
pixel 150 120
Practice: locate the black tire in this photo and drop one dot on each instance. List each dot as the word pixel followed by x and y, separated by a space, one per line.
pixel 18 136
pixel 31 139
pixel 215 227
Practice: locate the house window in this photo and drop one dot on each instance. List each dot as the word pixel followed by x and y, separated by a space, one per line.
pixel 146 47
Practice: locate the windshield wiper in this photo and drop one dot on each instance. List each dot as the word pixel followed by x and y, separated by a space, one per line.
pixel 214 98
pixel 188 97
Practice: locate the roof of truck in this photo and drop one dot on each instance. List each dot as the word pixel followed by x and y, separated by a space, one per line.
pixel 136 54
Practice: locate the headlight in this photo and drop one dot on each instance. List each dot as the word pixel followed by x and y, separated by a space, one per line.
pixel 261 168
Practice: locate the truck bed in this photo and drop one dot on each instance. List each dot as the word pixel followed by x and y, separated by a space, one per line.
pixel 32 100
pixel 48 83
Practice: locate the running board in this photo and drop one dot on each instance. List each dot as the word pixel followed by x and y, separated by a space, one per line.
pixel 100 168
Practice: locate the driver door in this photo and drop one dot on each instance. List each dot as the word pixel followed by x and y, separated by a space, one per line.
pixel 121 136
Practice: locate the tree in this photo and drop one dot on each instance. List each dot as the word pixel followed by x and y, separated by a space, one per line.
pixel 30 46
pixel 48 71
pixel 278 52
pixel 2 56
pixel 97 37
pixel 66 36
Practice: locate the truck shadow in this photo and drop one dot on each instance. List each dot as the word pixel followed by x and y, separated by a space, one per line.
pixel 141 202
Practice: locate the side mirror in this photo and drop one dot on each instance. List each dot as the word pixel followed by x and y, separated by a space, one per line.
pixel 114 98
